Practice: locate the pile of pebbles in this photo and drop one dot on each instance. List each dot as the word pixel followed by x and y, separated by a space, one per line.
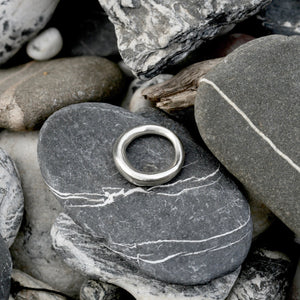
pixel 227 226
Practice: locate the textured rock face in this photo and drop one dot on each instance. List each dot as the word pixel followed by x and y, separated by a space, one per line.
pixel 20 21
pixel 91 257
pixel 282 17
pixel 31 288
pixel 193 229
pixel 250 119
pixel 32 251
pixel 5 270
pixel 11 199
pixel 93 290
pixel 152 34
pixel 30 93
pixel 265 275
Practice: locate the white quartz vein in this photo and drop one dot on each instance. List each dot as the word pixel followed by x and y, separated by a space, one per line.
pixel 260 133
pixel 134 245
pixel 108 195
pixel 139 256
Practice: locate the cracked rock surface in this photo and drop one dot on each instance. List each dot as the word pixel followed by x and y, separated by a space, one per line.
pixel 11 199
pixel 152 34
pixel 188 231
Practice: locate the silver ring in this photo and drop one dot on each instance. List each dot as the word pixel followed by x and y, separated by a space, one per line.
pixel 146 179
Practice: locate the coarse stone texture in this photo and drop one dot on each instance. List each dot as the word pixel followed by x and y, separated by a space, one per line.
pixel 46 45
pixel 25 287
pixel 11 199
pixel 264 276
pixel 20 21
pixel 94 259
pixel 282 17
pixel 32 92
pixel 152 34
pixel 247 111
pixel 96 290
pixel 194 228
pixel 32 252
pixel 5 270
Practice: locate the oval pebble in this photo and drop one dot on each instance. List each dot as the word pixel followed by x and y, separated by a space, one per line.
pixel 46 45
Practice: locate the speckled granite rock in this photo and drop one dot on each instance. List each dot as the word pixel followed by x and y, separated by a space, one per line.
pixel 195 228
pixel 154 34
pixel 20 21
pixel 5 270
pixel 11 199
pixel 251 121
pixel 92 258
pixel 282 17
pixel 96 290
pixel 264 276
pixel 25 287
pixel 32 251
pixel 32 92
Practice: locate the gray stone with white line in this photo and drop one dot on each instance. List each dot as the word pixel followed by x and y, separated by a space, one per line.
pixel 5 270
pixel 91 257
pixel 11 199
pixel 188 231
pixel 247 112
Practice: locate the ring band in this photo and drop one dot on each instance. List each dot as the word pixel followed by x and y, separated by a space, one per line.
pixel 146 179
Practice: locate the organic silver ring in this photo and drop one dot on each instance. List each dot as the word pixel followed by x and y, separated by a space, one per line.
pixel 146 179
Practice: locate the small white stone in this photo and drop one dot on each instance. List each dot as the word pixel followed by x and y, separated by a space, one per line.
pixel 46 45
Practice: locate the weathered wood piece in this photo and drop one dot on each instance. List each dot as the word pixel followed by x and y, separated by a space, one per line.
pixel 180 91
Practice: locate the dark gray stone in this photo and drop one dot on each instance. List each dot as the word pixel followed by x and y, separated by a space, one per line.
pixel 282 17
pixel 91 257
pixel 153 34
pixel 247 111
pixel 265 275
pixel 195 228
pixel 11 199
pixel 20 21
pixel 5 270
pixel 32 92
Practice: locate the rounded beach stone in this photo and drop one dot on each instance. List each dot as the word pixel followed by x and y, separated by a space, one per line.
pixel 32 92
pixel 46 45
pixel 11 199
pixel 20 21
pixel 32 251
pixel 5 270
pixel 247 111
pixel 192 229
pixel 91 257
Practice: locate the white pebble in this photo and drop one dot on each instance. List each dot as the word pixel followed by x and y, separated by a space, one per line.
pixel 46 45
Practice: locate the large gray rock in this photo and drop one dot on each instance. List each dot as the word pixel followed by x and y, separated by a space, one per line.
pixel 152 34
pixel 91 256
pixel 282 17
pixel 32 92
pixel 265 275
pixel 195 228
pixel 32 251
pixel 11 199
pixel 247 111
pixel 5 270
pixel 20 21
